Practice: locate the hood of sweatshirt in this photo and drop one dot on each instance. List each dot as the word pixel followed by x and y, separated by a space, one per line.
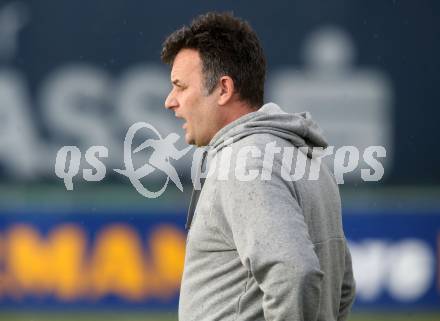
pixel 298 128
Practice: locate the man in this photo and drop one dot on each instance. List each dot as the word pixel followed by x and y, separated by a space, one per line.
pixel 266 248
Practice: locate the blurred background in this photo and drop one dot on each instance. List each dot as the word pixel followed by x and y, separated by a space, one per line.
pixel 82 72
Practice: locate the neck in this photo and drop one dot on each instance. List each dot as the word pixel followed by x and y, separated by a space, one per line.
pixel 236 110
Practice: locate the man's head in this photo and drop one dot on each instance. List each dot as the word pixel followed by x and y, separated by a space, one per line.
pixel 218 73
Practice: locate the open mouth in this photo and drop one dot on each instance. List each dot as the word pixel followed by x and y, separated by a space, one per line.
pixel 185 123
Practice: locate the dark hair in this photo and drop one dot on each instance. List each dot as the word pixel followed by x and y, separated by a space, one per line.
pixel 227 46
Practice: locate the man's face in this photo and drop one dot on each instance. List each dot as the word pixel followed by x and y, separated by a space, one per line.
pixel 189 100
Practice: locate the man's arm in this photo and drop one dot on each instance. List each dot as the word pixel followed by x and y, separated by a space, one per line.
pixel 273 243
pixel 348 288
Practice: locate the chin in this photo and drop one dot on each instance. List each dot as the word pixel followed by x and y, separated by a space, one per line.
pixel 189 140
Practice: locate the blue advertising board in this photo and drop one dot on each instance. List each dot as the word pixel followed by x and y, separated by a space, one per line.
pixel 135 259
pixel 395 258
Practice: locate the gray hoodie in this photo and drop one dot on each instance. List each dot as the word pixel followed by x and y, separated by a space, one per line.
pixel 266 248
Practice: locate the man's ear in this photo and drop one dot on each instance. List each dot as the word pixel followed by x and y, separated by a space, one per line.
pixel 226 86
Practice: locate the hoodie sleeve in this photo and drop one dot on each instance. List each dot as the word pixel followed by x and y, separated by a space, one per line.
pixel 348 288
pixel 272 240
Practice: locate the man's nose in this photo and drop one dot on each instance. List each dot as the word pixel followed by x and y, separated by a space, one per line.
pixel 171 101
